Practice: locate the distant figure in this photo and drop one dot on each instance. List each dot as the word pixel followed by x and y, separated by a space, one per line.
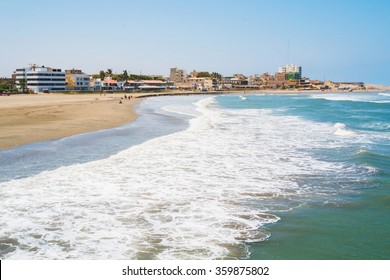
pixel 125 96
pixel 120 101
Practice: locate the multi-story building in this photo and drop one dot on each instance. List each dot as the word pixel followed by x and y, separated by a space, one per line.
pixel 292 71
pixel 203 84
pixel 231 82
pixel 177 75
pixel 40 79
pixel 95 83
pixel 77 80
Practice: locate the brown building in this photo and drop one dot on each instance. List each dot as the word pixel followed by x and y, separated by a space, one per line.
pixel 177 75
pixel 280 76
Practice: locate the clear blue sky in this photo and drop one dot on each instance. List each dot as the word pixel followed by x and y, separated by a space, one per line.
pixel 332 39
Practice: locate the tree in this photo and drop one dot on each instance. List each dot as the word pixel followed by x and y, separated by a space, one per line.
pixel 22 84
pixel 116 77
pixel 109 72
pixel 6 84
pixel 216 76
pixel 102 75
pixel 139 77
pixel 125 75
pixel 203 75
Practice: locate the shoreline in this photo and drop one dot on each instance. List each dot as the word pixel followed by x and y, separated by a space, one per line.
pixel 29 118
pixel 26 119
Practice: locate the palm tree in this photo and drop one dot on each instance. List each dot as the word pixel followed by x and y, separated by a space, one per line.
pixel 102 75
pixel 22 84
pixel 109 72
pixel 125 75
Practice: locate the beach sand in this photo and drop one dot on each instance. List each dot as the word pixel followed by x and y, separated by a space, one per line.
pixel 42 117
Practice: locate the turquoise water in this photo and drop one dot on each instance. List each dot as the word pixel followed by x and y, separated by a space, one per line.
pixel 355 225
pixel 255 176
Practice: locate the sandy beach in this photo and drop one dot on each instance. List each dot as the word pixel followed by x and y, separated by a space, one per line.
pixel 32 118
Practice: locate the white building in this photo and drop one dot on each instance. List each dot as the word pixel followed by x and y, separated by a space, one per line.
pixel 40 78
pixel 291 69
pixel 77 80
pixel 95 84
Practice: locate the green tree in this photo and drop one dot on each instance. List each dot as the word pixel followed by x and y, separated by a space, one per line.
pixel 6 85
pixel 22 85
pixel 102 75
pixel 139 77
pixel 125 75
pixel 216 76
pixel 116 77
pixel 109 72
pixel 203 75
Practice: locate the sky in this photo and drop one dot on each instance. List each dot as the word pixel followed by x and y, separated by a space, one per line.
pixel 339 40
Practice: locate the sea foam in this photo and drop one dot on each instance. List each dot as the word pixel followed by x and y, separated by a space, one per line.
pixel 202 193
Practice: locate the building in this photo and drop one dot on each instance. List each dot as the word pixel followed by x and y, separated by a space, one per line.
pixel 203 84
pixel 231 82
pixel 131 85
pixel 95 84
pixel 177 75
pixel 349 86
pixel 317 84
pixel 109 84
pixel 77 80
pixel 40 79
pixel 152 85
pixel 280 76
pixel 239 76
pixel 292 71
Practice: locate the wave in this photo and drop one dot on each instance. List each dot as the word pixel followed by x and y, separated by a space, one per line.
pixel 201 193
pixel 353 97
pixel 341 130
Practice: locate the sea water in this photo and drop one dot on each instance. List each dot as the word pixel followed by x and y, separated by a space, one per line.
pixel 259 176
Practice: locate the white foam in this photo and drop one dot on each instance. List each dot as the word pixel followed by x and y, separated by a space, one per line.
pixel 342 130
pixel 179 110
pixel 197 194
pixel 355 97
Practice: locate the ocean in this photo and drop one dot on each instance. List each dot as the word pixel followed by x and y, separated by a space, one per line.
pixel 254 176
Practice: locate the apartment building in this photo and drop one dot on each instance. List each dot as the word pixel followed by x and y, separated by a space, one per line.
pixel 40 78
pixel 177 75
pixel 77 80
pixel 292 71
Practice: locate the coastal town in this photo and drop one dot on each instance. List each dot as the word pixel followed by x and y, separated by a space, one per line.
pixel 43 79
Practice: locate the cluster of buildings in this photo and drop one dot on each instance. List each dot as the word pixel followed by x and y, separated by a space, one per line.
pixel 287 77
pixel 46 79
